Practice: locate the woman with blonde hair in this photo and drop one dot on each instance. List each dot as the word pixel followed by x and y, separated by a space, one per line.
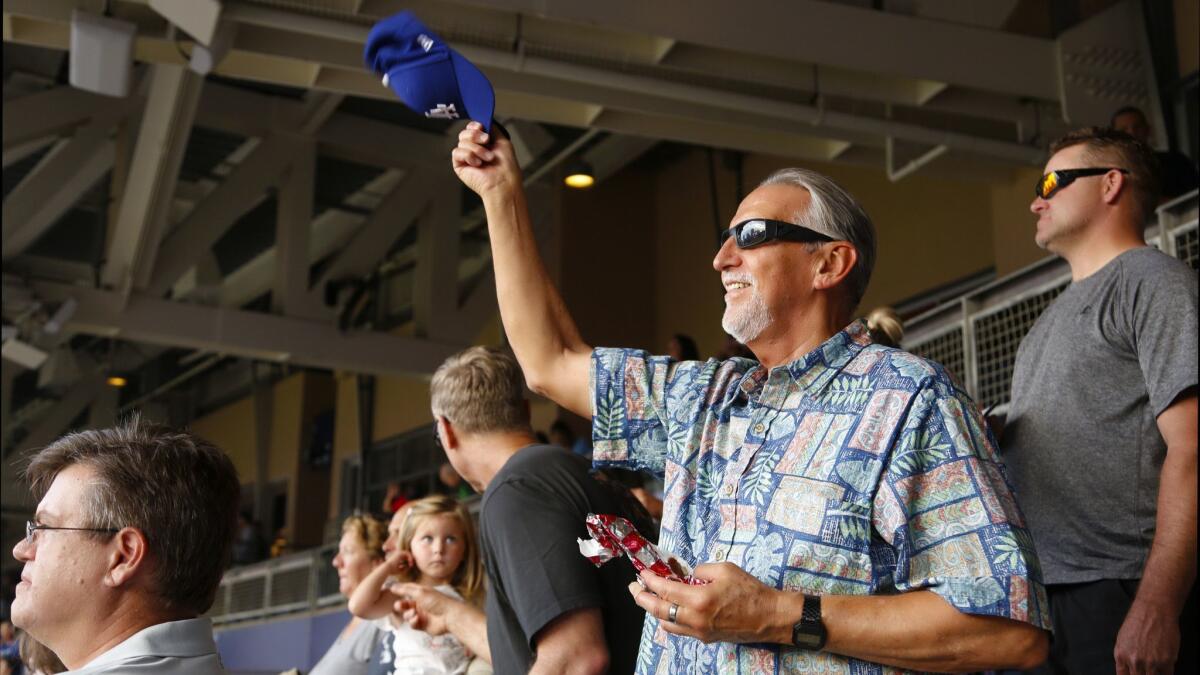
pixel 885 326
pixel 360 551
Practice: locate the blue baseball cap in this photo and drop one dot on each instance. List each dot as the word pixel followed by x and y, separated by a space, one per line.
pixel 427 75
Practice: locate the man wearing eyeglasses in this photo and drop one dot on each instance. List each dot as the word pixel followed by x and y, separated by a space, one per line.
pixel 133 530
pixel 1101 432
pixel 842 499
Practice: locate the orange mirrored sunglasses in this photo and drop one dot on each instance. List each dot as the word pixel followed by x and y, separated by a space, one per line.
pixel 1056 180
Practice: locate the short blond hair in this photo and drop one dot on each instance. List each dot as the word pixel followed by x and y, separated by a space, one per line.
pixel 369 532
pixel 480 390
pixel 885 326
pixel 468 578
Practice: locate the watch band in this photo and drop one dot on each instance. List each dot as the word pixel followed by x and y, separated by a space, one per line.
pixel 809 631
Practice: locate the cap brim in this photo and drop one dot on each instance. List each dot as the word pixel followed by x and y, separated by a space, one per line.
pixel 475 89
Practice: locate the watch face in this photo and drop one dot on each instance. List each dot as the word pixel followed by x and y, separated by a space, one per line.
pixel 806 640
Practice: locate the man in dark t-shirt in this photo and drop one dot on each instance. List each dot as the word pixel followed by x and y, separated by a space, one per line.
pixel 533 513
pixel 548 609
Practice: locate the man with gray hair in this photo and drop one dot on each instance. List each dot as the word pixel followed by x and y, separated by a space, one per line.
pixel 132 532
pixel 842 500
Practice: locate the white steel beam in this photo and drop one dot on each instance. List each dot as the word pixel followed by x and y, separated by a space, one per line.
pixel 22 150
pixel 153 172
pixel 319 106
pixel 647 94
pixel 55 185
pixel 54 422
pixel 331 230
pixel 381 144
pixel 245 187
pixel 55 111
pixel 333 64
pixel 479 306
pixel 745 138
pixel 339 135
pixel 829 33
pixel 391 219
pixel 435 279
pixel 289 292
pixel 144 318
pixel 613 153
pixel 198 18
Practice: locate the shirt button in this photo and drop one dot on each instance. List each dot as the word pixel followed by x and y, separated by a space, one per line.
pixel 728 490
pixel 720 556
pixel 758 428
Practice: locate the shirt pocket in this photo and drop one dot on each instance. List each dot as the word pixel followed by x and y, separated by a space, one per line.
pixel 829 550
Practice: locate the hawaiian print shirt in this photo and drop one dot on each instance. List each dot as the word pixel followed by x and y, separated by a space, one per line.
pixel 857 469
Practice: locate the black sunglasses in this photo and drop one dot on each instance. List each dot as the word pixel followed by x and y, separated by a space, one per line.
pixel 1056 180
pixel 759 231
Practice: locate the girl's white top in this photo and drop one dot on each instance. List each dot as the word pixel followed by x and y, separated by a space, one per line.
pixel 419 653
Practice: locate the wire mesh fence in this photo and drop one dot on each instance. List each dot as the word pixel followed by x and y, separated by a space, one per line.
pixel 978 343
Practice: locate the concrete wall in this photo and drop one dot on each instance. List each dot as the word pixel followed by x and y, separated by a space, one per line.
pixel 1013 224
pixel 347 439
pixel 232 428
pixel 608 254
pixel 295 401
pixel 1187 39
pixel 401 404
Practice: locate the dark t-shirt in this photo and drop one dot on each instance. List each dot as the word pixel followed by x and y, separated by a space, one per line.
pixel 533 511
pixel 1082 443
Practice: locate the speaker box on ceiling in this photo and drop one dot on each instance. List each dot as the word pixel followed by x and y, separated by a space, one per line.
pixel 101 54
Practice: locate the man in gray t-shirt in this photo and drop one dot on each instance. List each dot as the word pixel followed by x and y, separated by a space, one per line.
pixel 1101 434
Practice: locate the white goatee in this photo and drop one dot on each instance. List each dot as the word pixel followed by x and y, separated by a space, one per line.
pixel 747 321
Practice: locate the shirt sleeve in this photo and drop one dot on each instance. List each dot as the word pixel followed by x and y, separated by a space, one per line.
pixel 643 406
pixel 535 553
pixel 947 513
pixel 1162 311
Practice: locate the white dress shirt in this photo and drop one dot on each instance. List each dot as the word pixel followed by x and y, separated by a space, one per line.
pixel 173 648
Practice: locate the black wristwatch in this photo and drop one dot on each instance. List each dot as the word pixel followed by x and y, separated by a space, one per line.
pixel 809 631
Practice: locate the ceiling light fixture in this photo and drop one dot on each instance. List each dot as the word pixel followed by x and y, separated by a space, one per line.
pixel 579 175
pixel 116 381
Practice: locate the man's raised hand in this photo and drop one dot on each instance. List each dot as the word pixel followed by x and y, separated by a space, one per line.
pixel 485 162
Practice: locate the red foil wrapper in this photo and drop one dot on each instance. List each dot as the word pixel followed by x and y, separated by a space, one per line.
pixel 613 536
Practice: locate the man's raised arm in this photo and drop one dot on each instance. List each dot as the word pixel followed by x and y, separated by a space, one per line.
pixel 542 334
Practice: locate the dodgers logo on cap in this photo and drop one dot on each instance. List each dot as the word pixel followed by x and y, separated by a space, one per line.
pixel 427 75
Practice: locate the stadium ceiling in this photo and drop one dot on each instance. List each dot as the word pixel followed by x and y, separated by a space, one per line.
pixel 287 208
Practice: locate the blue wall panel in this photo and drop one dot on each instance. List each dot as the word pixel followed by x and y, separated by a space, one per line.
pixel 291 642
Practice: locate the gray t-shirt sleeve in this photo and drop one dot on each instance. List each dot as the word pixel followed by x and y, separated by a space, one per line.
pixel 351 654
pixel 535 554
pixel 1160 307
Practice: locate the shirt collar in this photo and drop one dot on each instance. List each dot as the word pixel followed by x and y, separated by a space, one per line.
pixel 185 638
pixel 814 370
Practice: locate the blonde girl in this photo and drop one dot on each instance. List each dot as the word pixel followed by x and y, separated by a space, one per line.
pixel 430 542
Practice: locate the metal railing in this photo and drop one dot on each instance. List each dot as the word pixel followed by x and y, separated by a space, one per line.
pixel 297 582
pixel 976 336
